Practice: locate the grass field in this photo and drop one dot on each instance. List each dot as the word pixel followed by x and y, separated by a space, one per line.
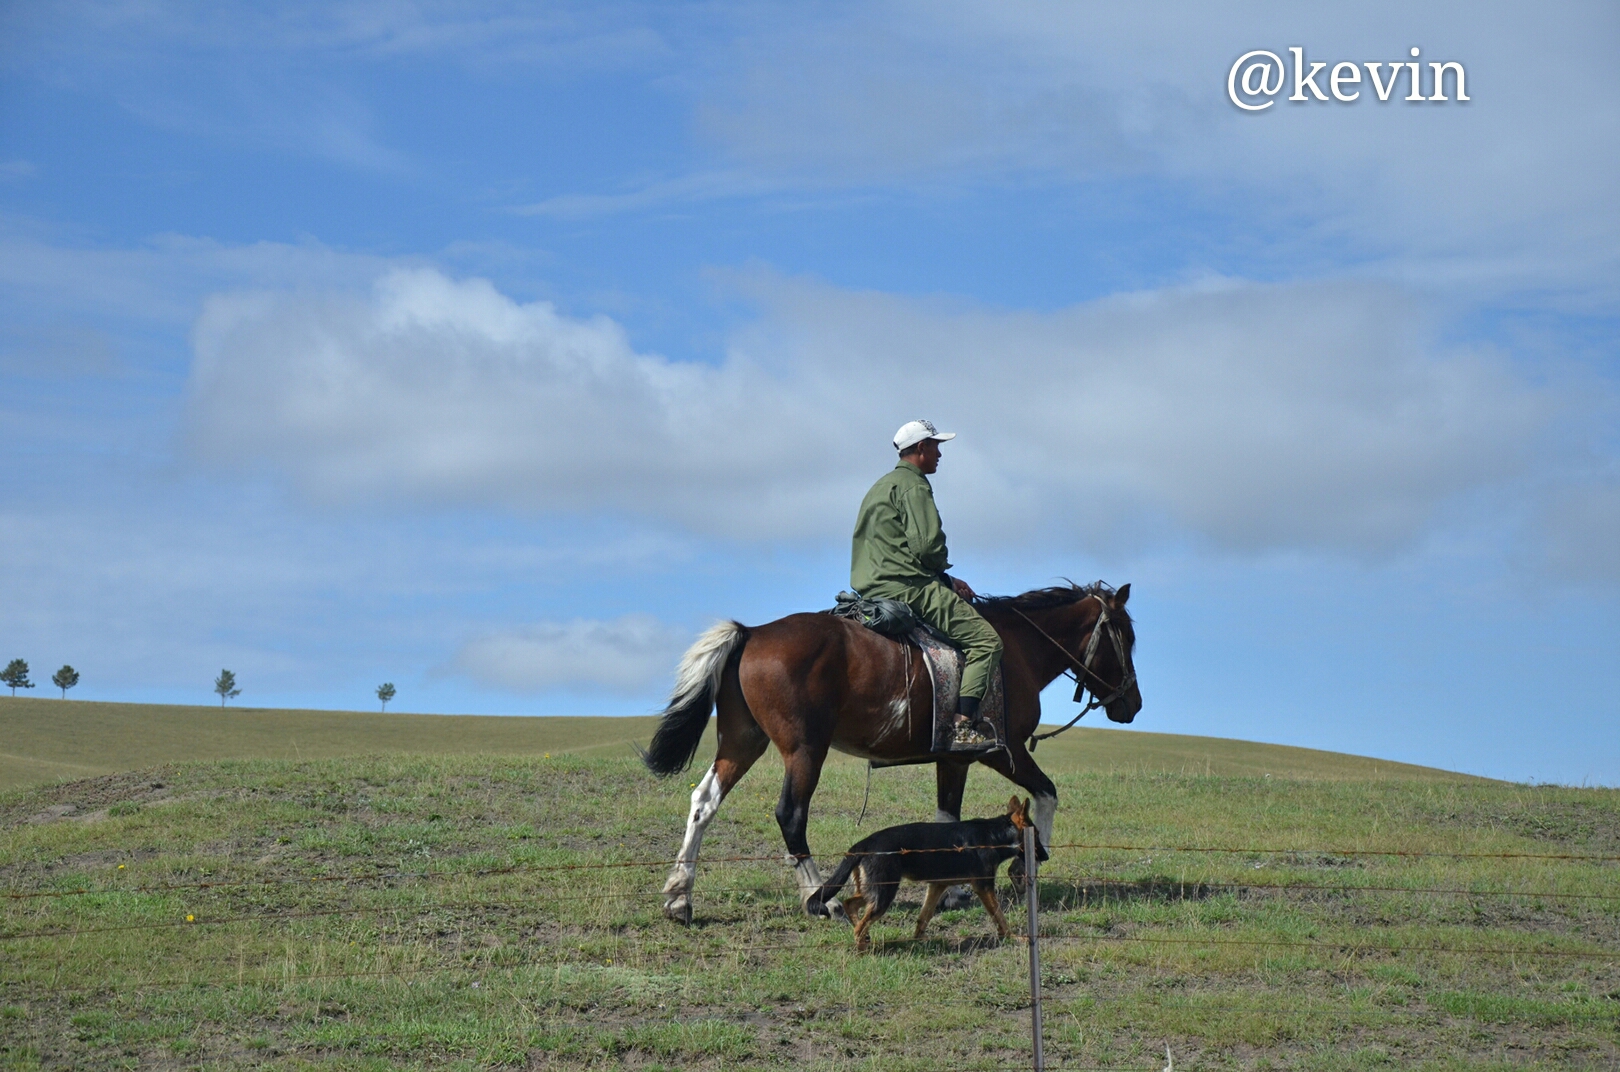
pixel 478 911
pixel 44 740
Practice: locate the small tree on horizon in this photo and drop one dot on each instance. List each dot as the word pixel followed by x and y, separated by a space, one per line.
pixel 225 685
pixel 385 692
pixel 16 675
pixel 65 679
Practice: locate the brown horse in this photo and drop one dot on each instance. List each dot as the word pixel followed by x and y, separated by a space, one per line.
pixel 810 682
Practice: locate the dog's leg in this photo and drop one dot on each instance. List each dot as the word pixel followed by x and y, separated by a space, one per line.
pixel 987 894
pixel 868 917
pixel 929 905
pixel 855 902
pixel 678 890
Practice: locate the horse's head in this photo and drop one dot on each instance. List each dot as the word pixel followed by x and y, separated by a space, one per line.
pixel 1084 630
pixel 1114 656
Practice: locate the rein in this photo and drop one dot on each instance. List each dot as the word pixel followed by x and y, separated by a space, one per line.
pixel 1084 666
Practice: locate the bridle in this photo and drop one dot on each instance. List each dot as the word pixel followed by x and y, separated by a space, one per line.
pixel 1083 665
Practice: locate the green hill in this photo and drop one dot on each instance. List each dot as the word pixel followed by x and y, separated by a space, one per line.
pixel 43 740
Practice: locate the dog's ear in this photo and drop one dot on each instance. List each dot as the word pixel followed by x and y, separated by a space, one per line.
pixel 1012 805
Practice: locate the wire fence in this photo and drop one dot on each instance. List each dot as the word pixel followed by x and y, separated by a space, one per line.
pixel 1059 891
pixel 1060 887
pixel 600 865
pixel 1080 886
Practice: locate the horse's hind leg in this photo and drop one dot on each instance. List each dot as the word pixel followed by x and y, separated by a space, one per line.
pixel 741 742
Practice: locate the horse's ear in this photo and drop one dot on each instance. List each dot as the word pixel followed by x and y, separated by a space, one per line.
pixel 1122 595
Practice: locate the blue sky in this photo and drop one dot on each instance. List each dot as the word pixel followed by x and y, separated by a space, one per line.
pixel 495 349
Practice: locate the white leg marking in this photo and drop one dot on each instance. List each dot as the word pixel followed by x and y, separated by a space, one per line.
pixel 809 876
pixel 943 816
pixel 1045 812
pixel 678 890
pixel 810 880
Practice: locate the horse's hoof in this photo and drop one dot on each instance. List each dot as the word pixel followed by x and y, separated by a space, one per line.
pixel 825 910
pixel 679 909
pixel 957 897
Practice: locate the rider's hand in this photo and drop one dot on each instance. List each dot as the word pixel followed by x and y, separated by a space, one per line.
pixel 963 589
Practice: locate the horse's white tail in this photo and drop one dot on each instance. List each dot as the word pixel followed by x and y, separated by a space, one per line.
pixel 697 686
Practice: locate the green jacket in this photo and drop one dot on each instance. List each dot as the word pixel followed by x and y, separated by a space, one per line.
pixel 898 539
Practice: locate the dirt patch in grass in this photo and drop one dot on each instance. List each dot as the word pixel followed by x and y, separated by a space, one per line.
pixel 67 800
pixel 1554 817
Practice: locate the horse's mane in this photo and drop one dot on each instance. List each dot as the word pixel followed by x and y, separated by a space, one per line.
pixel 1058 595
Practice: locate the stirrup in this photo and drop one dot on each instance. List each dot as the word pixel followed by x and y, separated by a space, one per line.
pixel 966 737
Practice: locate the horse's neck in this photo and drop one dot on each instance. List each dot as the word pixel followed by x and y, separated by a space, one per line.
pixel 1066 627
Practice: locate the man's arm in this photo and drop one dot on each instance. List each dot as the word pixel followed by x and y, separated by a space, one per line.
pixel 925 536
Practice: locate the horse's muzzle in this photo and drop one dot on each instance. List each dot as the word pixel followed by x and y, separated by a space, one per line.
pixel 1125 708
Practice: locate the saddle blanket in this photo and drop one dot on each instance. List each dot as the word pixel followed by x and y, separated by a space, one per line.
pixel 945 664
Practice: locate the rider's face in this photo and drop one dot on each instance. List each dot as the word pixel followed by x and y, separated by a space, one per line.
pixel 927 456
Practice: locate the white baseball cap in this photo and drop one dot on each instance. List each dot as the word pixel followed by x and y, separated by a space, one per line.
pixel 913 432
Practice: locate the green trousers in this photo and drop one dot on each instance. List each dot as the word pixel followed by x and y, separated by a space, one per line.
pixel 954 616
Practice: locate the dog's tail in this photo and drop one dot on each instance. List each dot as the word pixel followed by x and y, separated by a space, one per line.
pixel 834 883
pixel 697 686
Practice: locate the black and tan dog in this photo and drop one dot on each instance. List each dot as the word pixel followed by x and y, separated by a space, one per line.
pixel 940 854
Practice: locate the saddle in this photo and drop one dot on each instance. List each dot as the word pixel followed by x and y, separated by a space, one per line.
pixel 944 661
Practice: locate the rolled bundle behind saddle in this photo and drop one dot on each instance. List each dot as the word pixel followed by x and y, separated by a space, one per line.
pixel 887 616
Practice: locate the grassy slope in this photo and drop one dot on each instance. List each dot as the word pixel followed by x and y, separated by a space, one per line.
pixel 450 943
pixel 44 740
pixel 451 940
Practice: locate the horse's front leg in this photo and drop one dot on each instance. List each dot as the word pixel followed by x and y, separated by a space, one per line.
pixel 793 816
pixel 950 782
pixel 1022 771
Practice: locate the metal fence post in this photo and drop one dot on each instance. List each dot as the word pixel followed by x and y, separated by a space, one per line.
pixel 1033 897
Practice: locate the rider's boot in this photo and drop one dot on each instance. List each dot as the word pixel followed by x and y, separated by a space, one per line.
pixel 970 728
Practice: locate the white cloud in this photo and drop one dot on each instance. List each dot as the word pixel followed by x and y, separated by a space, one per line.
pixel 1253 416
pixel 1580 533
pixel 164 280
pixel 292 78
pixel 451 392
pixel 707 186
pixel 626 655
pixel 578 36
pixel 1509 192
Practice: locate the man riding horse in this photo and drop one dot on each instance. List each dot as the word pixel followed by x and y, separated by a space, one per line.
pixel 812 683
pixel 899 553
